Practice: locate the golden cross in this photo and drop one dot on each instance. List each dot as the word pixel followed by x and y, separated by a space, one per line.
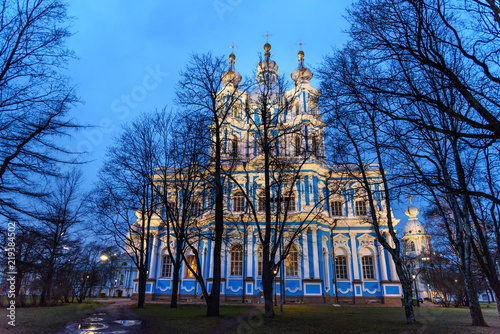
pixel 267 36
pixel 232 47
pixel 300 44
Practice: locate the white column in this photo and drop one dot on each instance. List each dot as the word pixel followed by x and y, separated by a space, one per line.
pixel 154 253
pixel 249 253
pixel 223 260
pixel 306 255
pixel 383 266
pixel 315 251
pixel 354 251
pixel 211 271
pixel 392 266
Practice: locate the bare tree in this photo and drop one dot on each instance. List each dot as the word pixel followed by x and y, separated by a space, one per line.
pixel 125 200
pixel 35 96
pixel 58 216
pixel 415 66
pixel 200 91
pixel 361 148
pixel 180 185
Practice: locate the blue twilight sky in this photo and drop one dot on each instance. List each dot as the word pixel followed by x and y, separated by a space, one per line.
pixel 130 52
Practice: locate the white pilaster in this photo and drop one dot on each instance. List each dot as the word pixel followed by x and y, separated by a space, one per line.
pixel 154 253
pixel 315 251
pixel 211 272
pixel 354 251
pixel 392 266
pixel 249 253
pixel 383 269
pixel 306 255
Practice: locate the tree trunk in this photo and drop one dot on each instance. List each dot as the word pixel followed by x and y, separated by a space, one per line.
pixel 474 307
pixel 142 288
pixel 214 300
pixel 408 302
pixel 267 286
pixel 175 284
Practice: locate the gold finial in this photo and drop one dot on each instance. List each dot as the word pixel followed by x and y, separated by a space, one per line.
pixel 267 36
pixel 232 47
pixel 300 44
pixel 232 56
pixel 409 198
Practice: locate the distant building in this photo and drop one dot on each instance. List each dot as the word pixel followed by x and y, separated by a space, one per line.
pixel 418 249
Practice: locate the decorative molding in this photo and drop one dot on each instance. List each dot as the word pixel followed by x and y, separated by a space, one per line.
pixel 374 291
pixel 169 286
pixel 299 288
pixel 233 290
pixel 367 241
pixel 187 290
pixel 341 240
pixel 345 291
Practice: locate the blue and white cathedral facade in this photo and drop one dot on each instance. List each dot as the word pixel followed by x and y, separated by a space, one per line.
pixel 335 259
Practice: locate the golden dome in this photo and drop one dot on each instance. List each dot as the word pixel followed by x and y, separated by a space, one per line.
pixel 301 74
pixel 267 46
pixel 231 76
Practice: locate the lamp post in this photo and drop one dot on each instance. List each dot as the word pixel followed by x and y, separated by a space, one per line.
pixel 274 279
pixel 416 290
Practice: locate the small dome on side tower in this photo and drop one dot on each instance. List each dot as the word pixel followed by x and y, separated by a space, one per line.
pixel 231 76
pixel 301 74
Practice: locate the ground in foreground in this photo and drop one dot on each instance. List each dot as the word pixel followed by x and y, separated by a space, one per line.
pixel 313 319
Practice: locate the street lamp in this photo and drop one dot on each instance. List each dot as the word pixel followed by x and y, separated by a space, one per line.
pixel 104 258
pixel 274 279
pixel 416 290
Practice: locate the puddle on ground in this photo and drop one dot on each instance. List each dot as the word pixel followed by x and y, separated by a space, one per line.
pixel 102 313
pixel 127 322
pixel 87 326
pixel 92 319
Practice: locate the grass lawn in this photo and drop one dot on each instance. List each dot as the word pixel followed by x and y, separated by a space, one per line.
pixel 187 318
pixel 37 320
pixel 313 319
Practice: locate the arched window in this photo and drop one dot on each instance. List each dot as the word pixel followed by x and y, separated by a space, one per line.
pixel 315 145
pixel 236 110
pixel 361 209
pixel 235 147
pixel 292 262
pixel 166 266
pixel 259 261
pixel 238 203
pixel 195 210
pixel 412 246
pixel 236 261
pixel 341 267
pixel 297 145
pixel 261 203
pixel 336 208
pixel 191 263
pixel 368 267
pixel 122 279
pixel 289 203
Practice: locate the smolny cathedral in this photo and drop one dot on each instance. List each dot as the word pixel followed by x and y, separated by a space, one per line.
pixel 336 259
